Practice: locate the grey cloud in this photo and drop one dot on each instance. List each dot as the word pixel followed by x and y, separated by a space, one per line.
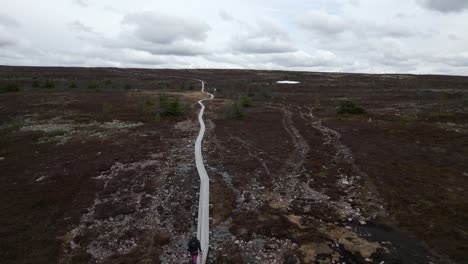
pixel 265 38
pixel 8 21
pixel 331 26
pixel 7 39
pixel 261 45
pixel 78 27
pixel 161 34
pixel 321 58
pixel 323 23
pixel 445 6
pixel 82 3
pixel 458 60
pixel 6 42
pixel 179 48
pixel 453 37
pixel 387 30
pixel 297 60
pixel 165 29
pixel 225 15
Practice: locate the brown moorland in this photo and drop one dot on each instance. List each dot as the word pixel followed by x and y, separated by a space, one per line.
pixel 95 167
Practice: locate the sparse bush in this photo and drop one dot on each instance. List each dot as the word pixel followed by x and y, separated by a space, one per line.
pixel 171 106
pixel 49 84
pixel 442 115
pixel 128 86
pixel 157 118
pixel 92 85
pixel 245 101
pixel 235 111
pixel 149 107
pixel 72 85
pixel 108 83
pixel 9 87
pixel 349 107
pixel 36 84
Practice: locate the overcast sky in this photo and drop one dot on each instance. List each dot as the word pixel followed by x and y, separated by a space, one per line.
pixel 375 36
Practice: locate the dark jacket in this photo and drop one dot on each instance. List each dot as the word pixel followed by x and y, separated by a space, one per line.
pixel 194 246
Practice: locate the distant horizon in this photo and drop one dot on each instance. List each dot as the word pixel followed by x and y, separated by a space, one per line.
pixel 239 69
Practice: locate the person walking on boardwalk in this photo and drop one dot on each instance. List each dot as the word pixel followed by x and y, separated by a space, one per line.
pixel 194 247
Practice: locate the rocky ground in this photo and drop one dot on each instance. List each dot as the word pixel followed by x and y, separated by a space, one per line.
pixel 91 175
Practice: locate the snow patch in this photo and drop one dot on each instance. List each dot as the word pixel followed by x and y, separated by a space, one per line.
pixel 287 82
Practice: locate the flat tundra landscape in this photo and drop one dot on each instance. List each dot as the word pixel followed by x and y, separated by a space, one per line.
pixel 97 165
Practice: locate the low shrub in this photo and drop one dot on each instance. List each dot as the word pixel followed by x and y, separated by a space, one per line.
pixel 9 87
pixel 157 118
pixel 92 85
pixel 170 106
pixel 245 101
pixel 72 85
pixel 235 111
pixel 128 86
pixel 149 107
pixel 36 84
pixel 49 84
pixel 349 107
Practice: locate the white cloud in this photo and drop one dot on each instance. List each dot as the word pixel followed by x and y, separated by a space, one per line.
pixel 165 29
pixel 266 36
pixel 323 35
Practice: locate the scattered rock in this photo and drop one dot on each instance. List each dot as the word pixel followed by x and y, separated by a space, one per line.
pixel 41 178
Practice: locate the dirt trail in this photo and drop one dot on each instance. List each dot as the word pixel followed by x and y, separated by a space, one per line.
pixel 295 161
pixel 343 155
pixel 254 153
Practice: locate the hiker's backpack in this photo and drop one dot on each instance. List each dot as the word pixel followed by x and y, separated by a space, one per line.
pixel 193 245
